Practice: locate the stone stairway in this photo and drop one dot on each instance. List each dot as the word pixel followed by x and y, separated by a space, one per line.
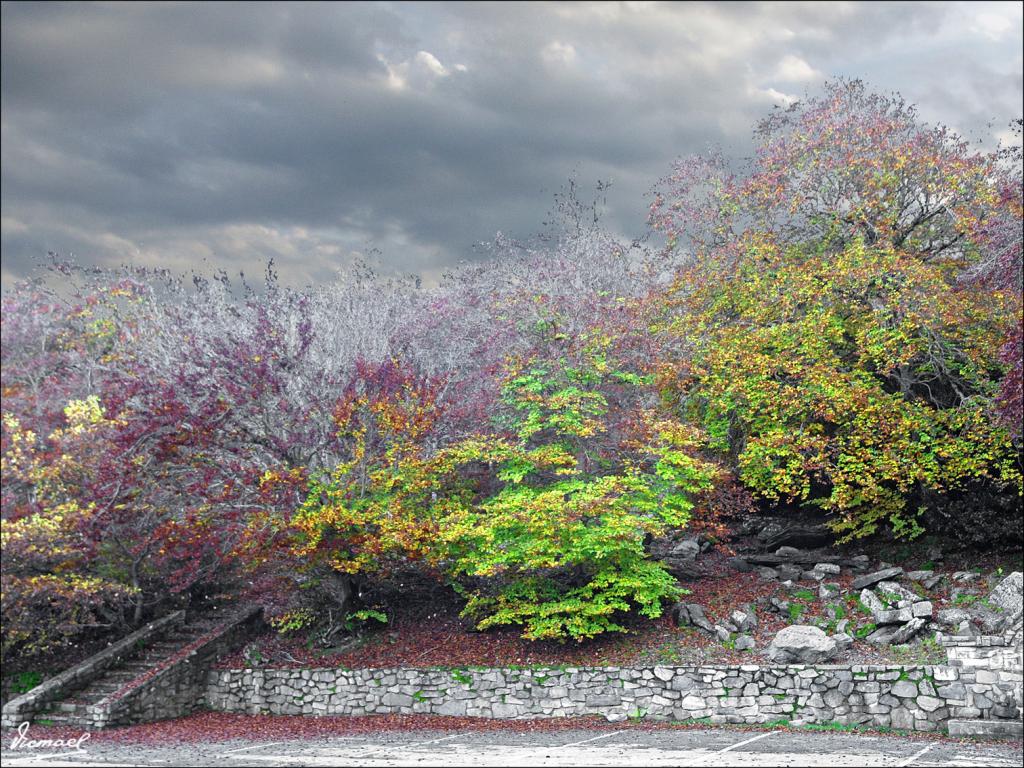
pixel 74 709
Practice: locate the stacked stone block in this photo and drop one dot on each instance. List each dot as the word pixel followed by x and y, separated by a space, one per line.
pixel 921 698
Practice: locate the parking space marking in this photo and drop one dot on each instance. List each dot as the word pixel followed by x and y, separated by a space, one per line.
pixel 743 743
pixel 587 741
pixel 254 746
pixel 708 755
pixel 914 756
pixel 409 746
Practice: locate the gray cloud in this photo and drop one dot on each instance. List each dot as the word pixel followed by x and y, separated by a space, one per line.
pixel 204 135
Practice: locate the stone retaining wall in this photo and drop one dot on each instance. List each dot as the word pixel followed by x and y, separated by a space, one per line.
pixel 920 698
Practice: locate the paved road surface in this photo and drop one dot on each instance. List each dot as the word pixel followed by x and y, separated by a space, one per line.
pixel 628 747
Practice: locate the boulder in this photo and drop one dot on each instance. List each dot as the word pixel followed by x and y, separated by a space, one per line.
pixel 907 631
pixel 951 617
pixel 778 606
pixel 882 636
pixel 894 616
pixel 744 643
pixel 964 577
pixel 858 563
pixel 873 578
pixel 744 620
pixel 740 564
pixel 843 641
pixel 871 601
pixel 767 573
pixel 722 634
pixel 992 622
pixel 927 579
pixel 686 550
pixel 827 569
pixel 895 594
pixel 1008 595
pixel 789 572
pixel 801 644
pixel 690 615
pixel 796 535
pixel 682 568
pixel 922 609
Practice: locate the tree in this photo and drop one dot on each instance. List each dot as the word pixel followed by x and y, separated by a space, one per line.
pixel 835 339
pixel 855 381
pixel 847 165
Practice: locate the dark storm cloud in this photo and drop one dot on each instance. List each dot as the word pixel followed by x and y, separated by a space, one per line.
pixel 224 134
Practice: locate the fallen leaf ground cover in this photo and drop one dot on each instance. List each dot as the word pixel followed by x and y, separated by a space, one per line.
pixel 222 727
pixel 443 639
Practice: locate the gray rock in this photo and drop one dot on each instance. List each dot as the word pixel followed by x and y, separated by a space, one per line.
pixel 740 564
pixel 801 644
pixel 882 636
pixel 767 573
pixel 871 601
pixel 859 562
pixel 922 609
pixel 778 606
pixel 744 643
pixel 991 621
pixel 964 577
pixel 721 633
pixel 828 591
pixel 907 631
pixel 890 590
pixel 683 568
pixel 616 717
pixel 896 616
pixel 789 572
pixel 691 615
pixel 873 578
pixel 827 568
pixel 843 640
pixel 744 620
pixel 788 552
pixel 931 582
pixel 1008 596
pixel 904 689
pixel 950 617
pixel 841 626
pixel 967 629
pixel 686 550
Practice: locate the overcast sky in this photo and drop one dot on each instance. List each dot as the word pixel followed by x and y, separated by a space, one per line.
pixel 219 135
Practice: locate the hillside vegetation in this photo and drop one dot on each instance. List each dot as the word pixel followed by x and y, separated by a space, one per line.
pixel 833 327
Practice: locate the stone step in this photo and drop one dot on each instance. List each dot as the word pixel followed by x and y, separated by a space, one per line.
pixel 987 729
pixel 61 718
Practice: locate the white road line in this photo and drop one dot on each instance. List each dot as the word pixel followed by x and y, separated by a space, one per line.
pixel 914 756
pixel 586 741
pixel 704 758
pixel 254 746
pixel 409 746
pixel 742 743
